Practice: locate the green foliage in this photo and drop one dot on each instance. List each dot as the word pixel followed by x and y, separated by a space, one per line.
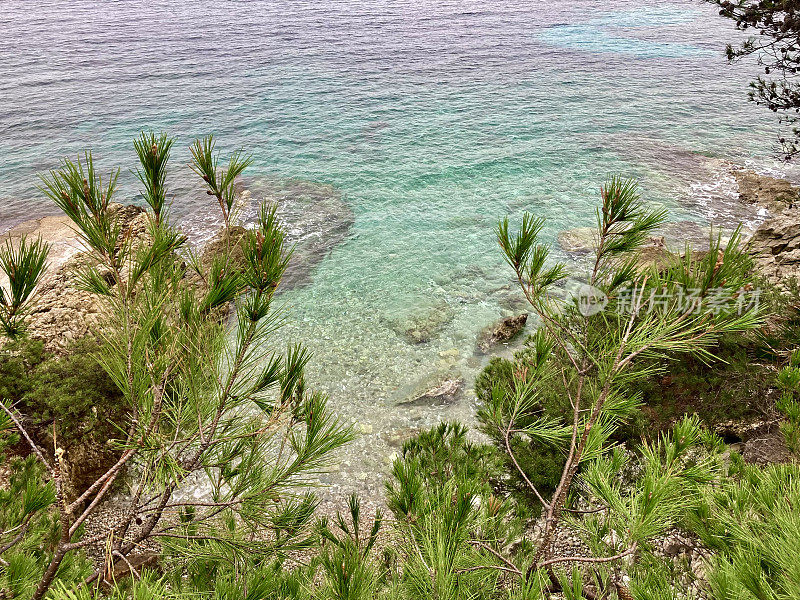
pixel 199 405
pixel 735 386
pixel 153 152
pixel 75 392
pixel 77 189
pixel 24 265
pixel 673 471
pixel 446 509
pixel 72 392
pixel 221 183
pixel 461 538
pixel 789 402
pixel 18 360
pixel 28 531
pixel 346 560
pixel 499 372
pixel 542 464
pixel 190 399
pixel 596 355
pixel 751 525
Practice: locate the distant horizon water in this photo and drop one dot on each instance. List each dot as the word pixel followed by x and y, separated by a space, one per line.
pixel 429 120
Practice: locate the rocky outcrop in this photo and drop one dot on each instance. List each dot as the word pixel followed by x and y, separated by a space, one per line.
pixel 443 392
pixel 62 313
pixel 775 247
pixel 502 331
pixel 773 194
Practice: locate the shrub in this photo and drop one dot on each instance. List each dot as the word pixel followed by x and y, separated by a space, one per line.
pixel 72 391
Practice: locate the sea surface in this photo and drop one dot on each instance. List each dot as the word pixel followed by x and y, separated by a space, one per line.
pixel 427 121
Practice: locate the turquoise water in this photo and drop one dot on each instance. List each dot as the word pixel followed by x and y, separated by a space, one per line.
pixel 432 120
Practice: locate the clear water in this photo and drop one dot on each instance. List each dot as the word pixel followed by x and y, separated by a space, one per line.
pixel 433 119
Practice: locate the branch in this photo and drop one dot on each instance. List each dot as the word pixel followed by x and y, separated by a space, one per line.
pixel 515 571
pixel 22 430
pixel 24 528
pixel 488 548
pixel 586 559
pixel 506 435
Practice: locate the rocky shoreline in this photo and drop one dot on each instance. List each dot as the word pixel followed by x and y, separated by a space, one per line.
pixel 774 244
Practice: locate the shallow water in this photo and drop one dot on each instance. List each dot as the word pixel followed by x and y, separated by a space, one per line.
pixel 431 120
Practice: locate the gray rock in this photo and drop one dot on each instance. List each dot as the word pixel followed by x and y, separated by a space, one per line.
pixel 445 393
pixel 772 193
pixel 502 331
pixel 443 386
pixel 775 247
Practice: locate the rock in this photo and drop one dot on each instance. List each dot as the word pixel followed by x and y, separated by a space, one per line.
pixel 737 430
pixel 769 192
pixel 222 241
pixel 445 393
pixel 676 544
pixel 442 387
pixel 132 566
pixel 316 218
pixel 775 247
pixel 61 313
pixel 502 331
pixel 397 437
pixel 759 442
pixel 579 240
pixel 653 253
pixel 424 325
pixel 680 234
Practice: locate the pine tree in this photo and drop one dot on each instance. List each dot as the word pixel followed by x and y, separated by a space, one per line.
pixel 204 405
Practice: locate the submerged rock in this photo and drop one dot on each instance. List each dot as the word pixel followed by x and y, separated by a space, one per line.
pixel 424 325
pixel 444 392
pixel 502 331
pixel 578 240
pixel 315 215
